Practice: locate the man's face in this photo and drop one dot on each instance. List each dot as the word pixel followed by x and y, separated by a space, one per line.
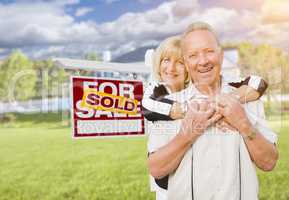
pixel 203 57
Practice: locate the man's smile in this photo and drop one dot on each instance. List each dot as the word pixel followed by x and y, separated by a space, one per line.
pixel 206 69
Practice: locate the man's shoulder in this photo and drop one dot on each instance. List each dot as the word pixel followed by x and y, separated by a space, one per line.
pixel 255 106
pixel 226 87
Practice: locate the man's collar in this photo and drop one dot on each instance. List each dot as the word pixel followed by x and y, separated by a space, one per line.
pixel 193 91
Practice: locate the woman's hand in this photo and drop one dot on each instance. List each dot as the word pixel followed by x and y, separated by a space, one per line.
pixel 233 112
pixel 177 111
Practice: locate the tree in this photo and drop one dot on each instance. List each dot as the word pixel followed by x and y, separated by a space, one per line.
pixel 51 78
pixel 18 78
pixel 263 60
pixel 89 56
pixel 92 56
pixel 267 62
pixel 285 72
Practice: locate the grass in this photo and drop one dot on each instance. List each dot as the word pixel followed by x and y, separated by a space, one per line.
pixel 40 161
pixel 275 185
pixel 48 164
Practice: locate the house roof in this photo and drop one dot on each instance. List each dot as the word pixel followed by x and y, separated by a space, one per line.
pixel 67 63
pixel 136 65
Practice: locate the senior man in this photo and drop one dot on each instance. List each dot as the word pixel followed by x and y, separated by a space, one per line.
pixel 202 161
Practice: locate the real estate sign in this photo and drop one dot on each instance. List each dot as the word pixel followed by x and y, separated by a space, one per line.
pixel 106 107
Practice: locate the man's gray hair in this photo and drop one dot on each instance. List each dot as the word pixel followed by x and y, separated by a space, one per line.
pixel 200 26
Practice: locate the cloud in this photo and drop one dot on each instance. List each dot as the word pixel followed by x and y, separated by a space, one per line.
pixel 83 11
pixel 45 29
pixel 114 1
pixel 144 1
pixel 55 2
pixel 275 12
pixel 274 34
pixel 238 5
pixel 40 24
pixel 184 8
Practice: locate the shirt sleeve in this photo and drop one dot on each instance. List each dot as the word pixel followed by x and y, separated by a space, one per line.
pixel 155 137
pixel 256 114
pixel 160 133
pixel 155 106
pixel 255 82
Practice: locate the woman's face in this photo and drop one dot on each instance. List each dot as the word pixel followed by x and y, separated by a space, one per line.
pixel 172 72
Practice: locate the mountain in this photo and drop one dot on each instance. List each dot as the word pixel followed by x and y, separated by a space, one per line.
pixel 133 56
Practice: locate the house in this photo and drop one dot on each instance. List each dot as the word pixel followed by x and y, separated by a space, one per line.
pixel 230 69
pixel 137 65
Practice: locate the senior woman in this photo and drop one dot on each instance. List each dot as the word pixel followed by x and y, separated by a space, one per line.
pixel 164 101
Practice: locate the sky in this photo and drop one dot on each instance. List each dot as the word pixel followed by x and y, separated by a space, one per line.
pixel 72 28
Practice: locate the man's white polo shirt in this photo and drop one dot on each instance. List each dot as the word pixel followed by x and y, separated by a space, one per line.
pixel 220 162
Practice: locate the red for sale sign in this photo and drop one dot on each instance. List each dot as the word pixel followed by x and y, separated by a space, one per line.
pixel 106 107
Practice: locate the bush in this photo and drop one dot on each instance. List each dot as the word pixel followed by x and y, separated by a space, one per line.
pixel 285 106
pixel 8 118
pixel 273 108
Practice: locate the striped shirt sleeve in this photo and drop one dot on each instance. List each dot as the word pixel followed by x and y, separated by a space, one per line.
pixel 155 105
pixel 256 82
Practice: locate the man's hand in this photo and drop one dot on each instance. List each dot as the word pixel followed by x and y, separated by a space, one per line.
pixel 224 125
pixel 197 119
pixel 262 152
pixel 233 112
pixel 166 159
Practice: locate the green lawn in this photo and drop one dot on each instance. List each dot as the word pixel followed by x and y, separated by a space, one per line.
pixel 44 162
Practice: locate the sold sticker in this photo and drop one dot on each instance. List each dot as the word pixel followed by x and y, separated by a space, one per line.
pixel 108 102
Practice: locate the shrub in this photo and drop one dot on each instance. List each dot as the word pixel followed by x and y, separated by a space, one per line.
pixel 8 118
